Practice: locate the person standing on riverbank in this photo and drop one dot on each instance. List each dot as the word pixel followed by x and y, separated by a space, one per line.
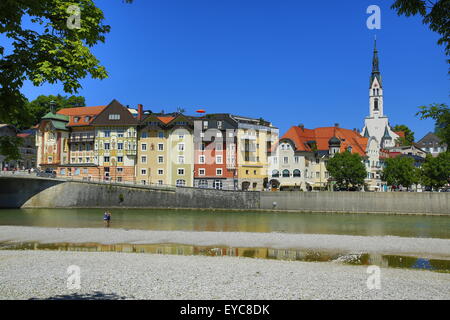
pixel 107 218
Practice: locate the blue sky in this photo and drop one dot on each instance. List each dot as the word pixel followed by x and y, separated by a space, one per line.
pixel 288 61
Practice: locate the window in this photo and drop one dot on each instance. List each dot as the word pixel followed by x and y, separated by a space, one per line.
pixel 160 134
pixel 80 160
pixel 76 119
pixel 286 173
pixel 349 149
pixel 120 145
pixel 317 160
pixel 77 172
pixel 201 159
pixel 106 146
pixel 375 104
pixel 202 147
pixel 107 133
pixel 285 160
pixel 218 184
pixel 106 159
pixel 143 172
pixel 219 124
pixel 181 183
pixel 143 182
pixel 296 173
pixel 275 173
pixel 62 171
pixel 296 159
pixel 180 159
pixel 219 147
pixel 120 133
pixel 181 147
pixel 160 146
pixel 88 147
pixel 88 159
pixel 205 124
pixel 181 136
pixel 85 170
pixel 114 117
pixel 144 147
pixel 218 172
pixel 144 134
pixel 219 159
pixel 201 172
pixel 160 172
pixel 160 182
pixel 120 170
pixel 160 159
pixel 203 183
pixel 180 171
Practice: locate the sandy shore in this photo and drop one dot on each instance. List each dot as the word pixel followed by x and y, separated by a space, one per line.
pixel 111 275
pixel 424 247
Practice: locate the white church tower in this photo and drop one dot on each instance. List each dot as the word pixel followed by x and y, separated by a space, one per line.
pixel 376 125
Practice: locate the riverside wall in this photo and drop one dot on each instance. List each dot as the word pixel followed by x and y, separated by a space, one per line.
pixel 30 192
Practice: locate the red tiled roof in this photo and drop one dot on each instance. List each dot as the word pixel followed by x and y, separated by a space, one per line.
pixel 321 136
pixel 166 120
pixel 82 113
pixel 400 133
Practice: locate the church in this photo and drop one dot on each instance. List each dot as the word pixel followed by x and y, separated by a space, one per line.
pixel 376 125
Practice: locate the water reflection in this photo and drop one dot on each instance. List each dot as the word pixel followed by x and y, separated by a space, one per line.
pixel 393 261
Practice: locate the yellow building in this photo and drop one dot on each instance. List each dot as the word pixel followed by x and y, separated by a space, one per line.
pixel 255 138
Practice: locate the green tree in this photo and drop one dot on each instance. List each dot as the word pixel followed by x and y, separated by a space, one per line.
pixel 440 112
pixel 400 171
pixel 409 135
pixel 435 171
pixel 39 107
pixel 43 48
pixel 347 169
pixel 9 147
pixel 435 13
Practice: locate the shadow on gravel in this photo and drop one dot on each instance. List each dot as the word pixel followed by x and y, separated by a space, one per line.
pixel 96 295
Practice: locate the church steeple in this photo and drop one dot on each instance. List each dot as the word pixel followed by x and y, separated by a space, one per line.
pixel 375 65
pixel 375 88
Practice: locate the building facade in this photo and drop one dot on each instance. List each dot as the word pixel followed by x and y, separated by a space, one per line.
pixel 432 144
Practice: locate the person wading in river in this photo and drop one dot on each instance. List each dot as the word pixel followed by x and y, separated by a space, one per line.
pixel 107 218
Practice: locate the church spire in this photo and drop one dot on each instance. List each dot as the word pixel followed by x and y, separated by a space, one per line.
pixel 375 64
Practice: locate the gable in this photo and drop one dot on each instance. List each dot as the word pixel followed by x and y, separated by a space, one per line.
pixel 115 114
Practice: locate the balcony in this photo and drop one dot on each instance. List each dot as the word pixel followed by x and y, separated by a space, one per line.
pixel 75 139
pixel 130 152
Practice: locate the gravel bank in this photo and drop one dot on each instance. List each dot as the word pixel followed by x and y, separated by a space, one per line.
pixel 42 274
pixel 424 247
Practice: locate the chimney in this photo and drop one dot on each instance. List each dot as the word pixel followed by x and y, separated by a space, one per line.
pixel 301 126
pixel 140 112
pixel 336 125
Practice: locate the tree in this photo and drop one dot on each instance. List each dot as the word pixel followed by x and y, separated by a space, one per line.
pixel 436 14
pixel 9 147
pixel 409 135
pixel 39 107
pixel 45 47
pixel 400 171
pixel 347 169
pixel 440 112
pixel 435 171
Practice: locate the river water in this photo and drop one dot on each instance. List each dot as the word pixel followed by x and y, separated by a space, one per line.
pixel 204 220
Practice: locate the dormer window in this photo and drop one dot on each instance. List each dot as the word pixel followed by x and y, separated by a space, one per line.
pixel 114 117
pixel 87 118
pixel 76 119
